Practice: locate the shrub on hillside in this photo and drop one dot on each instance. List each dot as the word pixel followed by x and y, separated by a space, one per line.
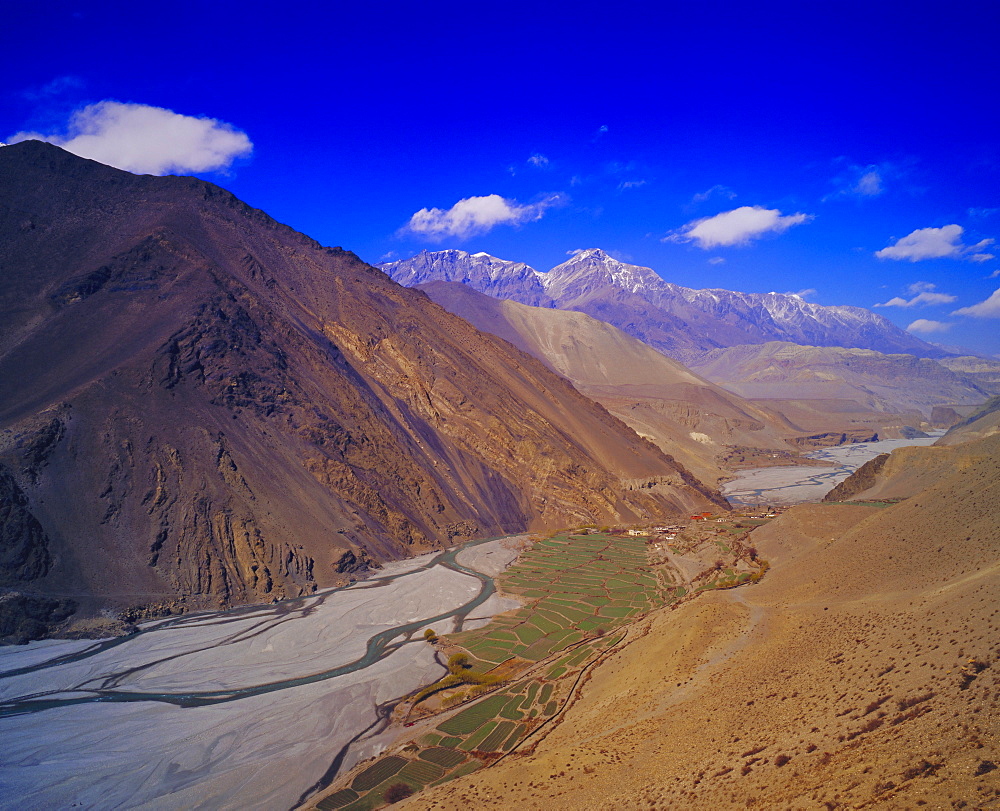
pixel 397 792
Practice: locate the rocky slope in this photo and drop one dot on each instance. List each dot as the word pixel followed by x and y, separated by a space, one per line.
pixel 859 481
pixel 781 370
pixel 679 321
pixel 211 408
pixel 861 672
pixel 686 415
pixel 981 423
pixel 984 372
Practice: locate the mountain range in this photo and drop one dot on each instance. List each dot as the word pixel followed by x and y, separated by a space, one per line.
pixel 679 321
pixel 203 407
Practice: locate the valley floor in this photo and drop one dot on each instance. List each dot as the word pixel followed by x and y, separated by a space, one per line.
pixel 794 484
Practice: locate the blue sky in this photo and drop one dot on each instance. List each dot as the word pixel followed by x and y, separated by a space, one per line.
pixel 847 149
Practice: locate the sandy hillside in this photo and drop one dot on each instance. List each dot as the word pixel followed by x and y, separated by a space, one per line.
pixel 686 416
pixel 864 671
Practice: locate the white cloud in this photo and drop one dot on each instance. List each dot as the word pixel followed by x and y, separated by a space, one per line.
pixel 737 227
pixel 575 251
pixel 803 294
pixel 148 140
pixel 926 326
pixel 984 309
pixel 717 190
pixel 716 260
pixel 869 184
pixel 935 243
pixel 923 296
pixel 631 184
pixel 476 215
pixel 994 274
pixel 860 181
pixel 538 160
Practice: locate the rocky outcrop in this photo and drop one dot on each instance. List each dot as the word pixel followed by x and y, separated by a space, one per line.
pixel 833 439
pixel 24 546
pixel 26 617
pixel 860 480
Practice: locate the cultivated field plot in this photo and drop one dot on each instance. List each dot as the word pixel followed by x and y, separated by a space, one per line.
pixel 574 586
pixel 579 592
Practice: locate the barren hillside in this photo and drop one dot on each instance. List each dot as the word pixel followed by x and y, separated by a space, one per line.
pixel 206 407
pixel 891 385
pixel 862 672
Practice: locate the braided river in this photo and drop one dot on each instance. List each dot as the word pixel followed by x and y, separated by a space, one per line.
pixel 257 706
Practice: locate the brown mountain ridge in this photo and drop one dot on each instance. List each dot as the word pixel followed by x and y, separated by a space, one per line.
pixel 201 405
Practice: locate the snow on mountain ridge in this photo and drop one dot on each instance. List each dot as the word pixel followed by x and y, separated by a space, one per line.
pixel 677 320
pixel 488 274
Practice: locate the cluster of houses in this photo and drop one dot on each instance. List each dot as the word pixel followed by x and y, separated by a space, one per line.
pixel 669 532
pixel 656 534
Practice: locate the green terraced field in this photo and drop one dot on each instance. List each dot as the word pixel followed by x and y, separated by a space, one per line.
pixel 442 757
pixel 380 770
pixel 469 720
pixel 474 741
pixel 500 734
pixel 577 589
pixel 337 800
pixel 573 585
pixel 419 771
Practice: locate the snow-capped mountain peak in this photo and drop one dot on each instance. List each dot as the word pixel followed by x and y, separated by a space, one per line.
pixel 680 321
pixel 594 267
pixel 488 274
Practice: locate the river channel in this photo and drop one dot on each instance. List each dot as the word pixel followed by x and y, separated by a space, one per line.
pixel 252 707
pixel 798 483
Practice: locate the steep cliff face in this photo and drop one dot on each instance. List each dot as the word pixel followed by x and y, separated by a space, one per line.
pixel 212 408
pixel 24 546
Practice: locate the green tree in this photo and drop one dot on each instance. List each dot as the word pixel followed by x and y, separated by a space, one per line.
pixel 458 661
